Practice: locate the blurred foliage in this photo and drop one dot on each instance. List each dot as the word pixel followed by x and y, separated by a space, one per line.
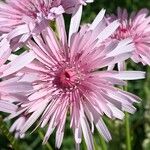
pixel 140 121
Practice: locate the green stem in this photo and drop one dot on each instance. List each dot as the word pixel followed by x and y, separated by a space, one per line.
pixel 7 134
pixel 84 145
pixel 102 142
pixel 42 137
pixel 128 136
pixel 95 145
pixel 127 127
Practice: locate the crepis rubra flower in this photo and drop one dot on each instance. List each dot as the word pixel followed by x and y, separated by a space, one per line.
pixel 20 19
pixel 137 27
pixel 70 77
pixel 18 15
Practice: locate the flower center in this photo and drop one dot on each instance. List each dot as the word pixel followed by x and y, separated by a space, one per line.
pixel 122 32
pixel 67 78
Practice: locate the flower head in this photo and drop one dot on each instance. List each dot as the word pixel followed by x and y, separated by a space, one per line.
pixel 20 19
pixel 15 13
pixel 136 27
pixel 70 77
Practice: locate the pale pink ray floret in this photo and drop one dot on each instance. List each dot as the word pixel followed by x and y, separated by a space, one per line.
pixel 12 91
pixel 70 77
pixel 137 27
pixel 71 6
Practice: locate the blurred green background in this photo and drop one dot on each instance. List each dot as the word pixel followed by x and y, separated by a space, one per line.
pixel 139 122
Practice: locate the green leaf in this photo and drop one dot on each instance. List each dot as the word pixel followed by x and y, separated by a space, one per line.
pixel 8 135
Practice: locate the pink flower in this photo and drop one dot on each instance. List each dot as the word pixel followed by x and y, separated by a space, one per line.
pixel 70 77
pixel 20 19
pixel 136 27
pixel 71 6
pixel 15 13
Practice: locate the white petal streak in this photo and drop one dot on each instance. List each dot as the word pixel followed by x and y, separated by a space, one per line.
pixel 60 129
pixel 7 107
pixel 20 62
pixel 86 131
pixel 108 31
pixel 20 87
pixel 125 46
pixel 116 112
pixel 23 29
pixel 51 127
pixel 33 118
pixel 78 134
pixel 101 127
pixel 61 29
pixel 98 19
pixel 75 22
pixel 130 75
pixel 121 57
